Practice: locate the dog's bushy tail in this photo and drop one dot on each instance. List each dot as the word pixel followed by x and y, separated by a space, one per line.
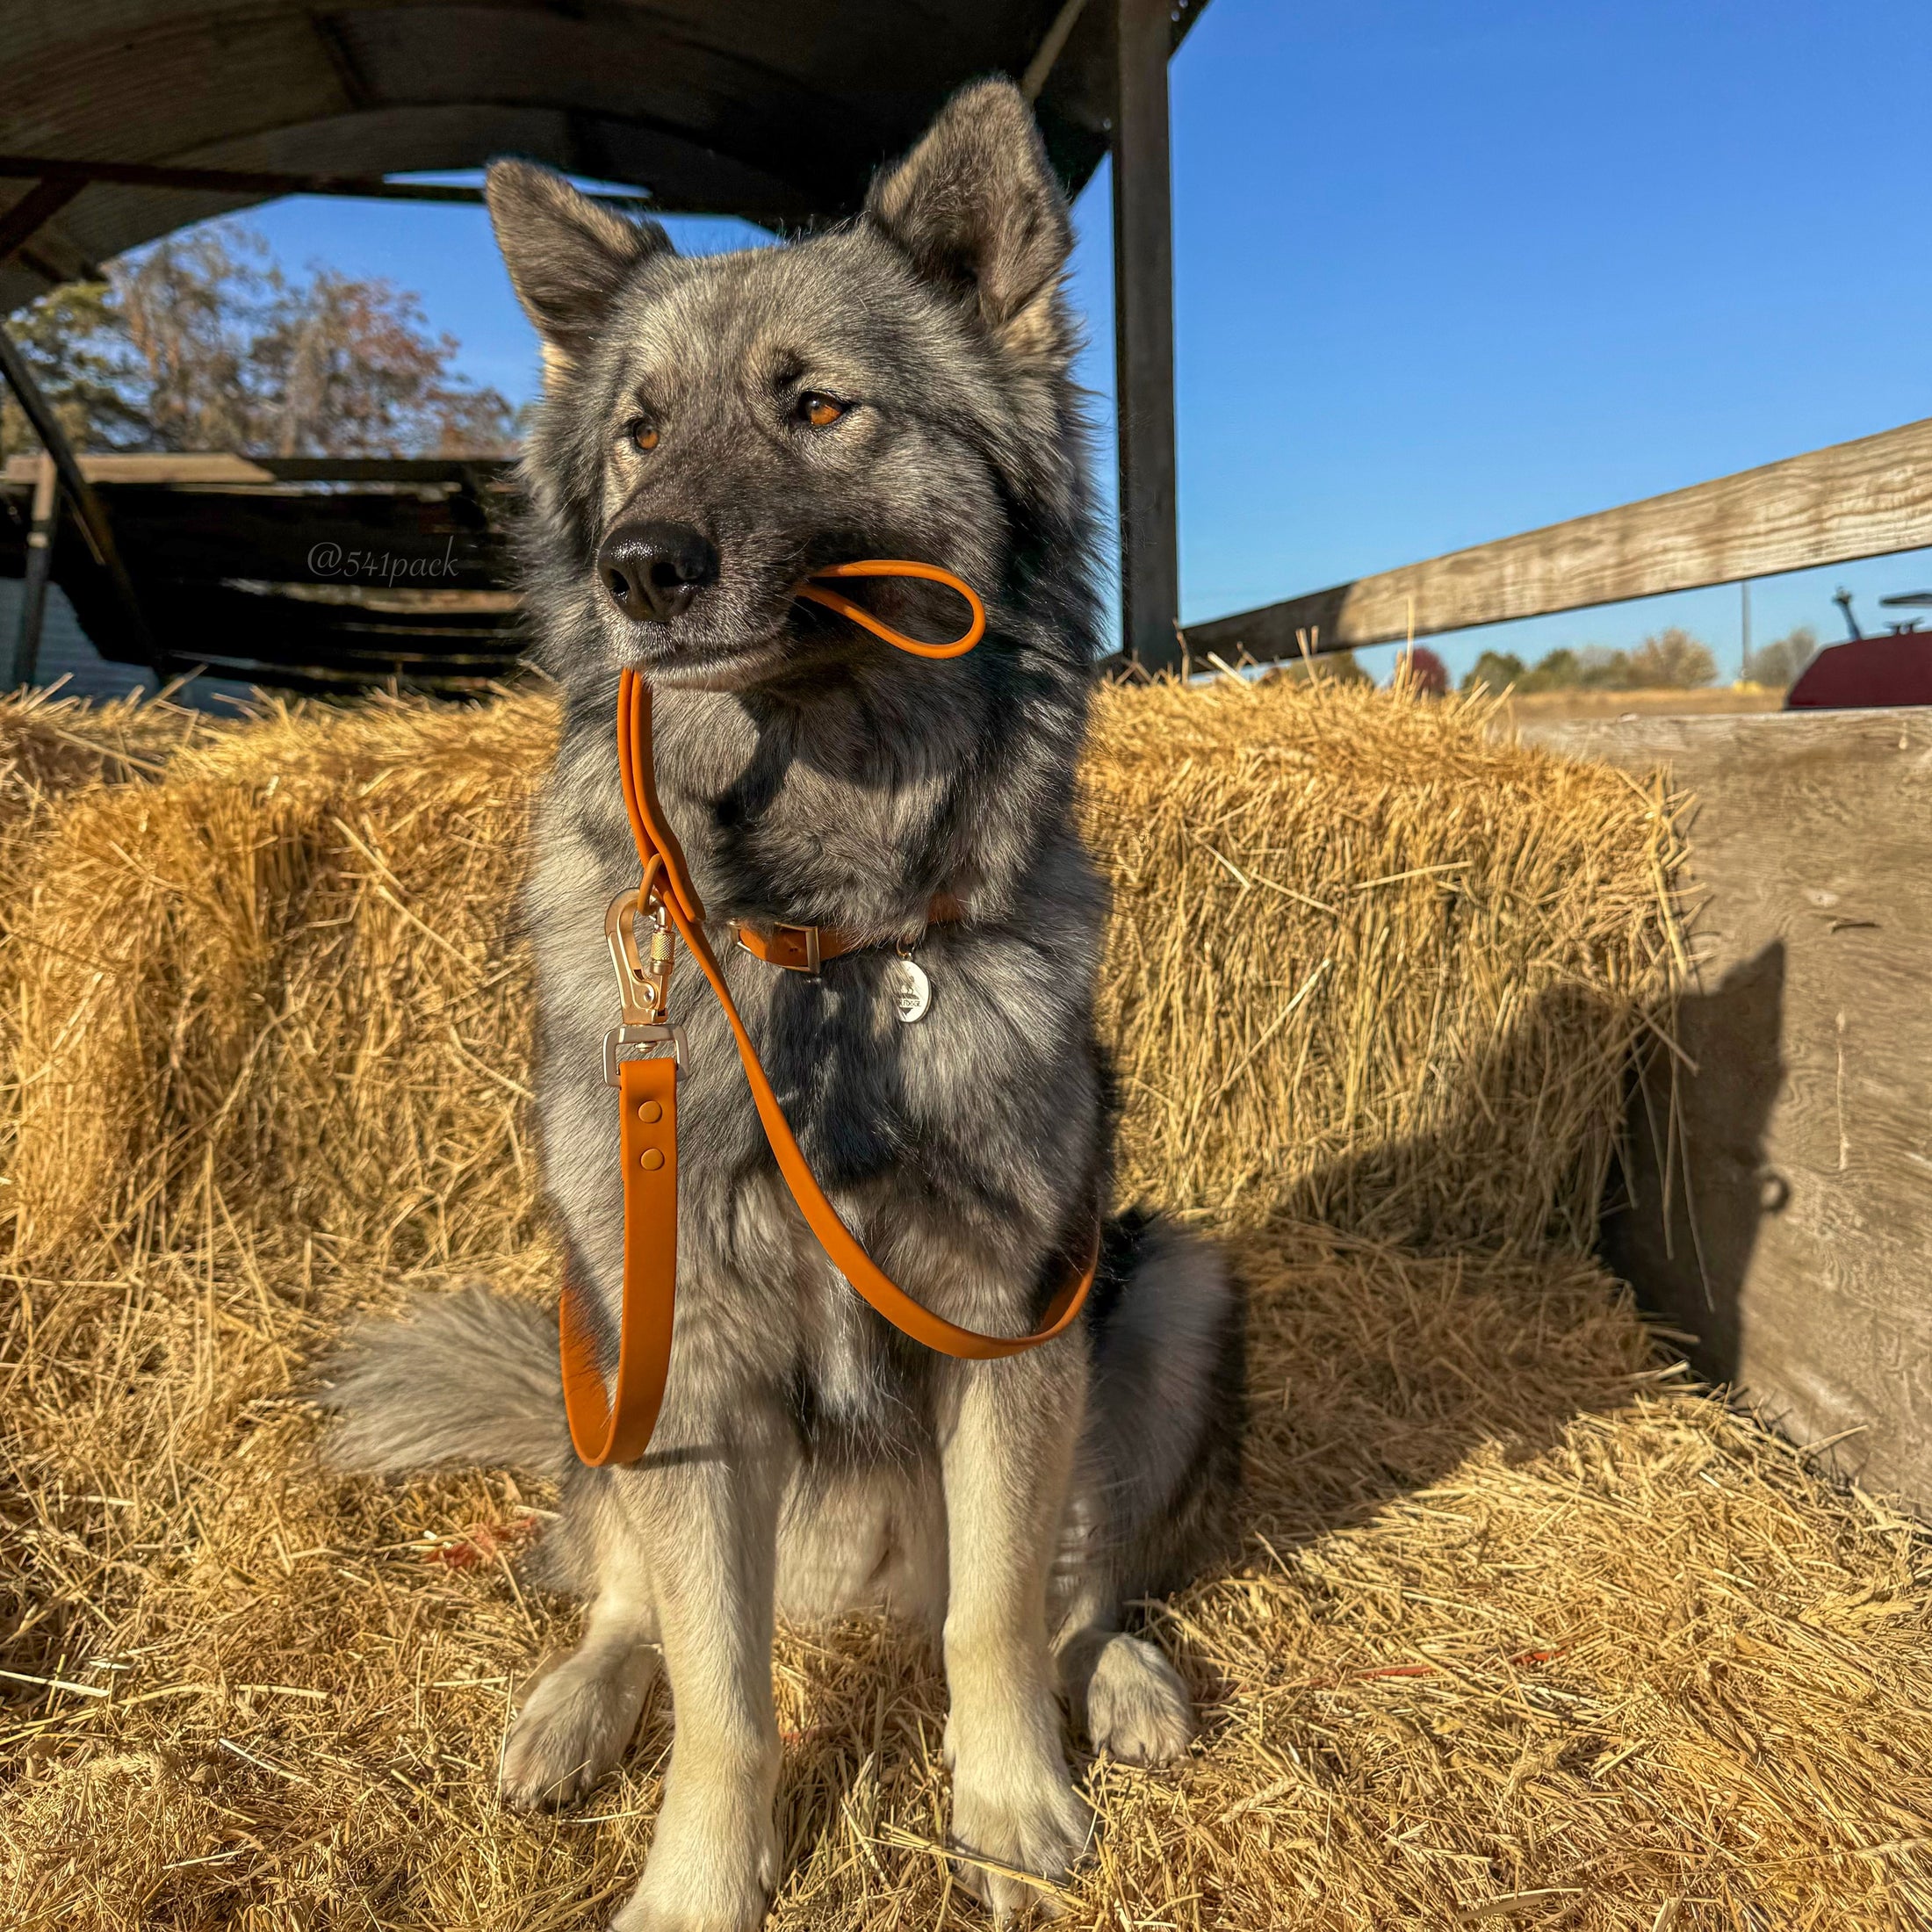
pixel 471 1377
pixel 1162 1446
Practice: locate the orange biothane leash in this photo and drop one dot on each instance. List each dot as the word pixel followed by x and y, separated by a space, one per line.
pixel 615 1426
pixel 886 566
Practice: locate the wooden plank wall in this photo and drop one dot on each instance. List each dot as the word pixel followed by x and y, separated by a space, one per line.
pixel 1864 499
pixel 248 569
pixel 1800 1251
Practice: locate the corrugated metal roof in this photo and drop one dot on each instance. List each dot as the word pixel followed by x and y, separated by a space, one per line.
pixel 779 111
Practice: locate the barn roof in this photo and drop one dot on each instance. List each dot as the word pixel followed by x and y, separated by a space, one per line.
pixel 777 110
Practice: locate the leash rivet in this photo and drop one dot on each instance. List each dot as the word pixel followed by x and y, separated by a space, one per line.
pixel 652 1157
pixel 651 1111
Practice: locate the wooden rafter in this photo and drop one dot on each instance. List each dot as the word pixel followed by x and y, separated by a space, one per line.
pixel 32 213
pixel 72 175
pixel 75 486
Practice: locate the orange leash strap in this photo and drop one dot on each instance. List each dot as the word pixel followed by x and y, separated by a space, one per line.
pixel 615 1426
pixel 884 567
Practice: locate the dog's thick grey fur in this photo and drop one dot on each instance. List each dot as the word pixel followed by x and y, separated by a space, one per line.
pixel 808 1455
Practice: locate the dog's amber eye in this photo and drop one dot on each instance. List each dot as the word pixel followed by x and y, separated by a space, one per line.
pixel 643 433
pixel 818 409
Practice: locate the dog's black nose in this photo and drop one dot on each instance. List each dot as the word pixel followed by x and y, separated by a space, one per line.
pixel 654 570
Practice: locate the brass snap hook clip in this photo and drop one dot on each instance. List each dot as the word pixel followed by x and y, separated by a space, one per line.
pixel 644 980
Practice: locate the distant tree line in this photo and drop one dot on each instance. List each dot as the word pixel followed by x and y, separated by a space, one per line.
pixel 1329 667
pixel 204 341
pixel 1780 661
pixel 1669 660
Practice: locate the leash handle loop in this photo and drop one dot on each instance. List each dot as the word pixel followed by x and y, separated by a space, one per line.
pixel 616 1428
pixel 812 589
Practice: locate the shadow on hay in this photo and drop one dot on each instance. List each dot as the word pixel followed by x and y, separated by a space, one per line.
pixel 1383 1357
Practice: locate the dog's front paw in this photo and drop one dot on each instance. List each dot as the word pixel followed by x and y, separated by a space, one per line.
pixel 1137 1708
pixel 699 1882
pixel 574 1725
pixel 1026 1821
pixel 640 1914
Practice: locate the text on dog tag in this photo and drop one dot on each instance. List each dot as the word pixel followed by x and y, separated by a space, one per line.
pixel 913 994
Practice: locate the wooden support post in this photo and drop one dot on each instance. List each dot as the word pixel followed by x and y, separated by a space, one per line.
pixel 1143 333
pixel 46 513
pixel 87 511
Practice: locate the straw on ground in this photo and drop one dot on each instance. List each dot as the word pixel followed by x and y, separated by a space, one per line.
pixel 1524 1628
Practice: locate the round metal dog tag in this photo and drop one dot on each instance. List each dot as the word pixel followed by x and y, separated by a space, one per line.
pixel 914 992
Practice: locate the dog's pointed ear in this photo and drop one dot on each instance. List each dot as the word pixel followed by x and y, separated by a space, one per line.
pixel 977 208
pixel 566 254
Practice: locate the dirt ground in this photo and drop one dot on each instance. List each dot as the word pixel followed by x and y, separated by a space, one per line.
pixel 1724 700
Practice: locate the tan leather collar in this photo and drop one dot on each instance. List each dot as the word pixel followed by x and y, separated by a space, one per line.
pixel 805 948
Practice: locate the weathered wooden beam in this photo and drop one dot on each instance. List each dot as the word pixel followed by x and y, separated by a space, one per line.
pixel 34 579
pixel 88 512
pixel 257 181
pixel 474 473
pixel 228 625
pixel 222 467
pixel 436 539
pixel 32 213
pixel 158 467
pixel 1143 332
pixel 1780 1190
pixel 1862 499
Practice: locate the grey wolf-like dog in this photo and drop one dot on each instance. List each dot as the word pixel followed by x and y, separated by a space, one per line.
pixel 712 430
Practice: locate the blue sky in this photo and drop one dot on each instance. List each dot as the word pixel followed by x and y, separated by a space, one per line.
pixel 1445 272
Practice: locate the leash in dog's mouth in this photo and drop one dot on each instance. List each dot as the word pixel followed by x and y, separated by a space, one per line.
pixel 615 1426
pixel 806 948
pixel 812 589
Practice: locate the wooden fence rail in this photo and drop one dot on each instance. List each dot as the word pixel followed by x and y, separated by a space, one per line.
pixel 1862 499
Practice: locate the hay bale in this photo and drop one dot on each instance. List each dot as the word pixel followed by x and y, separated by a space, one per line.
pixel 1522 1628
pixel 51 746
pixel 274 985
pixel 1525 1629
pixel 1370 969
